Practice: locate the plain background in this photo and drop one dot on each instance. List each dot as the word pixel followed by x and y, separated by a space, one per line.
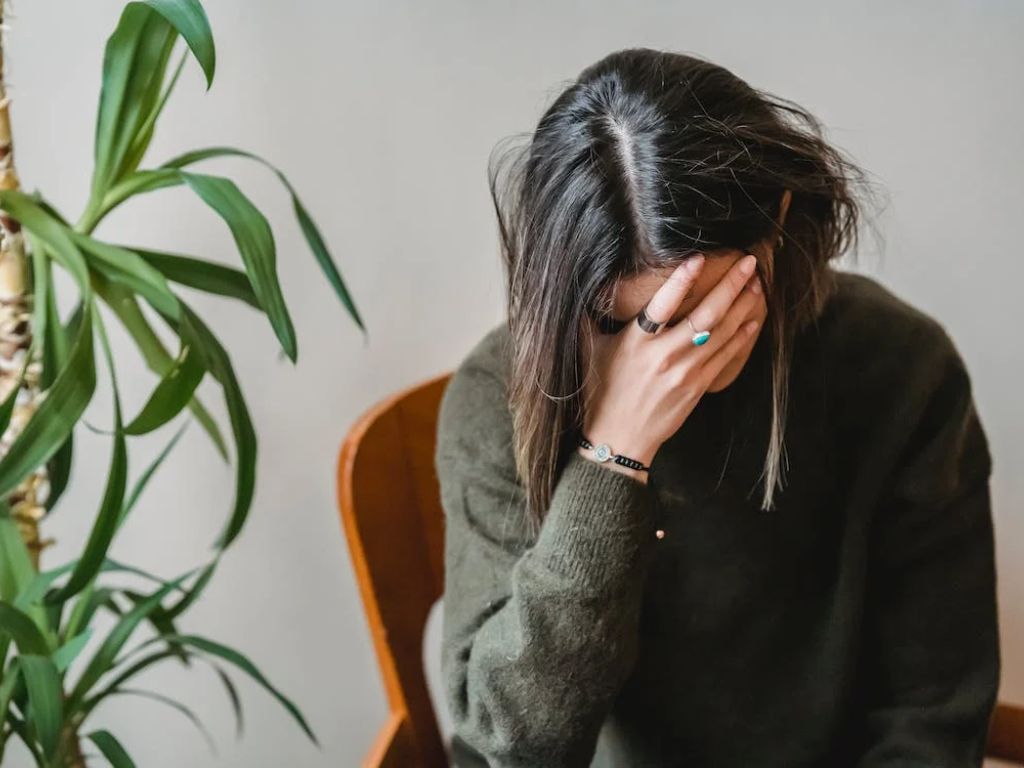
pixel 383 115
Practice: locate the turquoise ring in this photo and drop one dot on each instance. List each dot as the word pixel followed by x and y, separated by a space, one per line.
pixel 699 337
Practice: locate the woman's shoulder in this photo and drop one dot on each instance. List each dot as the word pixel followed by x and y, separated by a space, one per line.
pixel 891 366
pixel 474 414
pixel 876 333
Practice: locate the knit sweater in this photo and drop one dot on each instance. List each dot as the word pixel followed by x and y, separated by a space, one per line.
pixel 853 625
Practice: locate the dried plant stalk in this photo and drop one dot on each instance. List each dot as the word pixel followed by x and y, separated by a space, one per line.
pixel 28 500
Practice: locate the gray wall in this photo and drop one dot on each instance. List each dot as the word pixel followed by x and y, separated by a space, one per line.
pixel 384 114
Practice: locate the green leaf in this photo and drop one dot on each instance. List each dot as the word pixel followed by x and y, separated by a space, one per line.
pixel 16 571
pixel 144 135
pixel 134 64
pixel 130 671
pixel 241 662
pixel 108 517
pixel 42 681
pixel 174 704
pixel 122 630
pixel 126 307
pixel 111 749
pixel 85 607
pixel 217 362
pixel 135 183
pixel 55 354
pixel 189 19
pixel 128 268
pixel 171 395
pixel 56 416
pixel 144 478
pixel 233 697
pixel 202 275
pixel 193 594
pixel 23 630
pixel 249 228
pixel 68 652
pixel 8 690
pixel 34 591
pixel 51 233
pixel 255 243
pixel 113 566
pixel 309 229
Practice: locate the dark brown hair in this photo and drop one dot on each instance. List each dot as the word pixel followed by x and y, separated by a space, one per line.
pixel 647 158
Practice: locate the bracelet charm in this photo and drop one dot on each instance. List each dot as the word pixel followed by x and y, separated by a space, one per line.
pixel 603 452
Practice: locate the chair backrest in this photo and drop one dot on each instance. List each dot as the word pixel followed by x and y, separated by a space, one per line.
pixel 391 510
pixel 1006 734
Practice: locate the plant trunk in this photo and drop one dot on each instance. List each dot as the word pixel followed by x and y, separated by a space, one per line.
pixel 27 504
pixel 71 755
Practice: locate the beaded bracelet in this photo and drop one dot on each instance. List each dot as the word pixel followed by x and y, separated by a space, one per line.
pixel 603 452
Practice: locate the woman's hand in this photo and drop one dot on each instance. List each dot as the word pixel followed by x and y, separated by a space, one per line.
pixel 647 385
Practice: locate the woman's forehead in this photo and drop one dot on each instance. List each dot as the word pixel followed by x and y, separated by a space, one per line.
pixel 632 293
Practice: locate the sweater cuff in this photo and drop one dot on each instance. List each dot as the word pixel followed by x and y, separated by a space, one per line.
pixel 600 524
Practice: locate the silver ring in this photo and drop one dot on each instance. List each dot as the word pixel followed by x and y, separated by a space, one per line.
pixel 699 337
pixel 645 322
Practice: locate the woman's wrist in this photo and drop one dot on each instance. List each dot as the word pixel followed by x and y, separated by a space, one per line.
pixel 637 474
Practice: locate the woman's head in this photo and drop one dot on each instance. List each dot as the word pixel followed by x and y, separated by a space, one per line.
pixel 648 158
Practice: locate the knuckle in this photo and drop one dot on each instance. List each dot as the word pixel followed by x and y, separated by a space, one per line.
pixel 737 279
pixel 701 319
pixel 663 364
pixel 679 378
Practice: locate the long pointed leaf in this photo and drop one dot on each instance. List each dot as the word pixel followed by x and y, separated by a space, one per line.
pixel 255 243
pixel 68 652
pixel 173 704
pixel 114 641
pixel 218 363
pixel 133 68
pixel 108 517
pixel 129 269
pixel 171 395
pixel 111 749
pixel 16 571
pixel 23 630
pixel 126 307
pixel 201 275
pixel 42 681
pixel 56 416
pixel 189 19
pixel 144 478
pixel 241 662
pixel 51 233
pixel 309 229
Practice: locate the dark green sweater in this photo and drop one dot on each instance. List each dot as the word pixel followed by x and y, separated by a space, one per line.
pixel 854 625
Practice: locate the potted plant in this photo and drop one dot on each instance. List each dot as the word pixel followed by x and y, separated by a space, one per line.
pixel 53 672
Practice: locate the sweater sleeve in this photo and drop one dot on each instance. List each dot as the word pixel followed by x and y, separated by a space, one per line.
pixel 539 632
pixel 932 634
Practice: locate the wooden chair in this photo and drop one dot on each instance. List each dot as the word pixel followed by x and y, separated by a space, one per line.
pixel 391 511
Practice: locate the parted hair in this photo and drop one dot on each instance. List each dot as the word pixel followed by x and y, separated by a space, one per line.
pixel 648 158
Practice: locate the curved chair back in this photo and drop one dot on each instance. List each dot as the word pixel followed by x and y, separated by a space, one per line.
pixel 391 511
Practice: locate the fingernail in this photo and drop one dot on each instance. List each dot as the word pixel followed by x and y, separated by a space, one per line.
pixel 747 265
pixel 693 263
pixel 755 285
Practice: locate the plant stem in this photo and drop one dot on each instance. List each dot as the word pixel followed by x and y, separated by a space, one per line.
pixel 16 334
pixel 71 748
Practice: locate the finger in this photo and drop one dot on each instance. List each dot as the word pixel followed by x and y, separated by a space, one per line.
pixel 666 300
pixel 713 307
pixel 747 305
pixel 715 364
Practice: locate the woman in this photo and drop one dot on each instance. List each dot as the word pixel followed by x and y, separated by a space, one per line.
pixel 793 563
